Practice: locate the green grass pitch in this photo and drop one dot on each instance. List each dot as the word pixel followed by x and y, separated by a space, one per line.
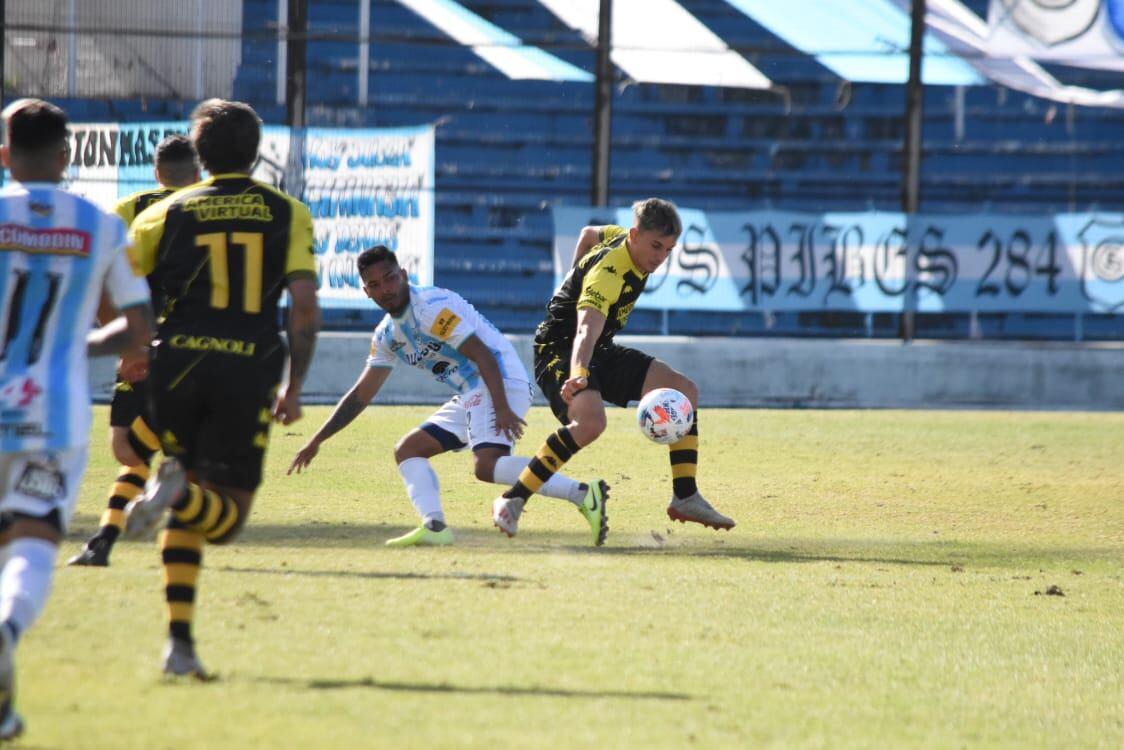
pixel 885 587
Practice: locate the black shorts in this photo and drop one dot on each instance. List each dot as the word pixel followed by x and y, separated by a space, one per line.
pixel 212 410
pixel 616 371
pixel 130 400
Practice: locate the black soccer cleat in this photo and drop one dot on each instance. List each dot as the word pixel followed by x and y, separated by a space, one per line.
pixel 95 553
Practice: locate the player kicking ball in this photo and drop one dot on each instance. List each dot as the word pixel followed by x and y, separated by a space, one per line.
pixel 580 367
pixel 438 332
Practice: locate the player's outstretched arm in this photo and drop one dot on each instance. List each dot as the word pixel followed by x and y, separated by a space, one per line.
pixel 507 421
pixel 349 407
pixel 304 324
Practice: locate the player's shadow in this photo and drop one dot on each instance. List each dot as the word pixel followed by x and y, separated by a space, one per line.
pixel 369 683
pixel 344 534
pixel 495 579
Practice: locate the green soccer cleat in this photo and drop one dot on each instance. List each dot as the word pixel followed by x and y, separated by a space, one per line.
pixel 593 509
pixel 423 537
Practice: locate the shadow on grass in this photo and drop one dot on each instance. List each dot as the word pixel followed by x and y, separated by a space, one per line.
pixel 373 574
pixel 444 687
pixel 692 543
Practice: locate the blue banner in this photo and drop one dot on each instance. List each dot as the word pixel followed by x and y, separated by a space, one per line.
pixel 877 261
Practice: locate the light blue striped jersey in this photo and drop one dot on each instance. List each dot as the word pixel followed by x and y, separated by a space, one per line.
pixel 427 334
pixel 57 252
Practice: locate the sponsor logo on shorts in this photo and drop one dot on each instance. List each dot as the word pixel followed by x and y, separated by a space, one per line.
pixel 42 481
pixel 213 344
pixel 445 323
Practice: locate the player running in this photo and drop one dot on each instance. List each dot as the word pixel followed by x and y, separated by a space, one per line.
pixel 437 331
pixel 58 254
pixel 133 442
pixel 220 253
pixel 579 367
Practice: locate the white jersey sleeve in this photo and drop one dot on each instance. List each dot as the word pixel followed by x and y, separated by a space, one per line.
pixel 380 354
pixel 446 316
pixel 124 287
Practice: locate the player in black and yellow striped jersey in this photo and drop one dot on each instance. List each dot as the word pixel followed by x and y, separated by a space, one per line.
pixel 579 367
pixel 131 438
pixel 220 254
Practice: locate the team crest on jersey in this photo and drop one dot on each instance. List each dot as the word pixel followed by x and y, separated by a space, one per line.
pixel 41 209
pixel 445 323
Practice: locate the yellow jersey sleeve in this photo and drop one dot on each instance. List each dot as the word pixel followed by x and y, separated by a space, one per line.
pixel 145 233
pixel 602 285
pixel 300 259
pixel 610 232
pixel 126 208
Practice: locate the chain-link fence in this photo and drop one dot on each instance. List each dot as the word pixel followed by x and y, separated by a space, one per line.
pixel 178 49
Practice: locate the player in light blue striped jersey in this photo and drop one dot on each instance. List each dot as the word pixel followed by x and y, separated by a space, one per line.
pixel 58 252
pixel 435 330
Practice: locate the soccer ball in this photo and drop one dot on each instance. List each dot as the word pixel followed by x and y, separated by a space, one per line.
pixel 665 415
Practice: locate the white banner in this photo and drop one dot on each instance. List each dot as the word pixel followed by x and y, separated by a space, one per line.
pixel 363 186
pixel 1084 33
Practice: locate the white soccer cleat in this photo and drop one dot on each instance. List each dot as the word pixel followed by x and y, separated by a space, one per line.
pixel 144 514
pixel 180 661
pixel 506 512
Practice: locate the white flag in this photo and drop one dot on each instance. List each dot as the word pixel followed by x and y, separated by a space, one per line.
pixel 1082 33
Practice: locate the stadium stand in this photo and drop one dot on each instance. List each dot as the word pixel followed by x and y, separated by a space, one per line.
pixel 506 150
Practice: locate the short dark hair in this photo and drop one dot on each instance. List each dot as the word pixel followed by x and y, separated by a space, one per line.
pixel 373 255
pixel 226 135
pixel 659 215
pixel 176 163
pixel 175 148
pixel 34 125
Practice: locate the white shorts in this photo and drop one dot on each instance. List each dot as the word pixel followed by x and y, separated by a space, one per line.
pixel 34 483
pixel 470 418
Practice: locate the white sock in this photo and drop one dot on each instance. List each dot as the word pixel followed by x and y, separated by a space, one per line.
pixel 558 486
pixel 423 489
pixel 25 582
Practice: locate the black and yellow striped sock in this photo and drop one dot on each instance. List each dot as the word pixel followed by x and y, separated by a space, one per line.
pixel 130 480
pixel 129 483
pixel 182 552
pixel 143 440
pixel 206 511
pixel 554 453
pixel 685 462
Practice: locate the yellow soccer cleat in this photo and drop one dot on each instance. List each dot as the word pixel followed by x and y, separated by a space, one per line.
pixel 593 509
pixel 421 537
